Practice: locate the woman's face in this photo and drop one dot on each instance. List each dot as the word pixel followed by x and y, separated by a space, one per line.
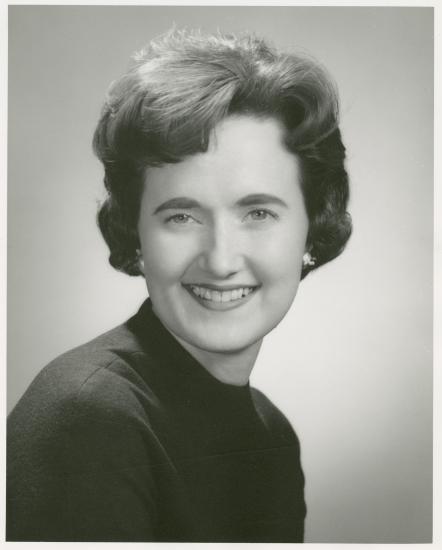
pixel 222 237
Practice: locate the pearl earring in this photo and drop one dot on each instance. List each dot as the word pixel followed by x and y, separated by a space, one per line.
pixel 307 260
pixel 140 259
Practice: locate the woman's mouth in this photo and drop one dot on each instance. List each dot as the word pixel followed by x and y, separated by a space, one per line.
pixel 216 297
pixel 221 295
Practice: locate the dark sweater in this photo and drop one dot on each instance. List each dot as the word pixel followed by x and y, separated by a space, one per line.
pixel 129 438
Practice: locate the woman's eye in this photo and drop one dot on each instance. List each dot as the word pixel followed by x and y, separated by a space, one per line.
pixel 180 219
pixel 260 214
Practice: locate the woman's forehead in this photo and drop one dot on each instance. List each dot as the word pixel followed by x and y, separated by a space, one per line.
pixel 245 155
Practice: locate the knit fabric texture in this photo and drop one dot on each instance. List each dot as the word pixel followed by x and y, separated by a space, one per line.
pixel 128 438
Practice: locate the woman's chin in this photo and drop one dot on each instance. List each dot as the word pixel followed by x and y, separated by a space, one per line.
pixel 222 342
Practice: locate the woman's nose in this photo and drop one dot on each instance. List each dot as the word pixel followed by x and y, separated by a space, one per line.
pixel 221 256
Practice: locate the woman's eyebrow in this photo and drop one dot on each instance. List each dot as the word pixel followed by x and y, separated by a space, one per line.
pixel 261 198
pixel 187 203
pixel 177 203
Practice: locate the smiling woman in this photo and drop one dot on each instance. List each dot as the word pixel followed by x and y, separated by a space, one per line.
pixel 232 244
pixel 226 186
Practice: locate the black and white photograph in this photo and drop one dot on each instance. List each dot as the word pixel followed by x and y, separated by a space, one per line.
pixel 220 274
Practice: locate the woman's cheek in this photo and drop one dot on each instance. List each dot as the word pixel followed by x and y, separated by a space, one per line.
pixel 282 255
pixel 170 254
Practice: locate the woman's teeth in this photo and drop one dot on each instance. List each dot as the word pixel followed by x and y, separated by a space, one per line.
pixel 221 295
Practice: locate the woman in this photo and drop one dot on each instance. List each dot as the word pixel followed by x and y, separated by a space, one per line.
pixel 226 185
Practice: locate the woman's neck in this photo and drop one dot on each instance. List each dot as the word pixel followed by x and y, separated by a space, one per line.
pixel 227 367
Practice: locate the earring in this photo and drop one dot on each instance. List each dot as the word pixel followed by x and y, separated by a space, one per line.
pixel 308 259
pixel 140 259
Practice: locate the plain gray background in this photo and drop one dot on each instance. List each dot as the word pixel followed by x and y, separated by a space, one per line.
pixel 351 365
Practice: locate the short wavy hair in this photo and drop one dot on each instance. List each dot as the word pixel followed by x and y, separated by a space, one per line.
pixel 179 88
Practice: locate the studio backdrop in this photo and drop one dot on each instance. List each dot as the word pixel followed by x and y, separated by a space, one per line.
pixel 351 364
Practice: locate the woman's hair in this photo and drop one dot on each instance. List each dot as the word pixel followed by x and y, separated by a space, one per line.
pixel 179 88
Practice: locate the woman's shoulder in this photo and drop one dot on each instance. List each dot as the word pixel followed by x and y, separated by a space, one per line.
pixel 101 374
pixel 88 399
pixel 273 417
pixel 81 432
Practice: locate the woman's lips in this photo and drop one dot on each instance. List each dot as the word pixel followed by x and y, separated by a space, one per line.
pixel 219 297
